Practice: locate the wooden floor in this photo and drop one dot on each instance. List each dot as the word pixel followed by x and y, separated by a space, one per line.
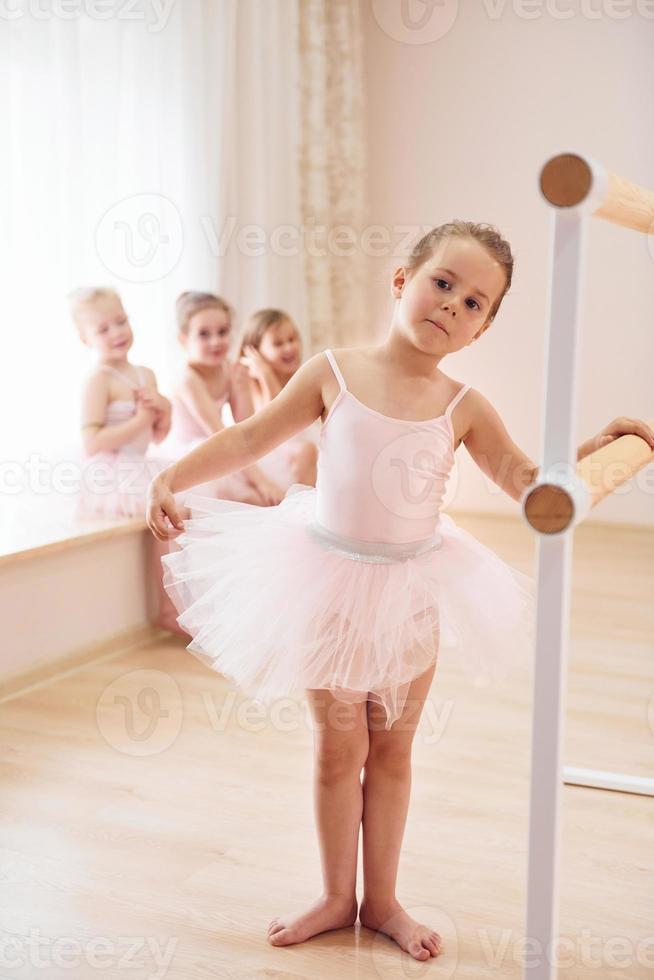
pixel 149 829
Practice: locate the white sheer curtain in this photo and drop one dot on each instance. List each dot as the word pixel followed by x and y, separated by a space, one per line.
pixel 333 169
pixel 138 155
pixel 261 218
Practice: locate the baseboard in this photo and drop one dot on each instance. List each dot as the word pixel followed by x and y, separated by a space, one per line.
pixel 38 674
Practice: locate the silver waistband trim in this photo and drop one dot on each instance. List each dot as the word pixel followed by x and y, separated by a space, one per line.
pixel 375 551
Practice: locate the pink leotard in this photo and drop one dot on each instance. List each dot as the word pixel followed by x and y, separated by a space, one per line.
pixel 406 463
pixel 185 427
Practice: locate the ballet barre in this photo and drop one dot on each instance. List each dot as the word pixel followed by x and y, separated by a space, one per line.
pixel 572 181
pixel 576 188
pixel 556 502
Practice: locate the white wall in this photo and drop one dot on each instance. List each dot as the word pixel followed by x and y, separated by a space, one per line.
pixel 459 126
pixel 75 595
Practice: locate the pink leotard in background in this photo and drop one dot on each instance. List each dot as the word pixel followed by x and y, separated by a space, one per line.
pixel 114 483
pixel 186 432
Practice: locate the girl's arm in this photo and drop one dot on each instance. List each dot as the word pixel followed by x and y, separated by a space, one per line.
pixel 98 437
pixel 240 392
pixel 154 399
pixel 261 374
pixel 163 420
pixel 298 405
pixel 492 448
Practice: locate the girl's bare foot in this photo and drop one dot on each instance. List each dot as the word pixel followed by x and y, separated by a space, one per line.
pixel 390 918
pixel 325 914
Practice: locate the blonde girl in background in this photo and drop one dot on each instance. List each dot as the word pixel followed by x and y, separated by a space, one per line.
pixel 123 415
pixel 209 382
pixel 271 349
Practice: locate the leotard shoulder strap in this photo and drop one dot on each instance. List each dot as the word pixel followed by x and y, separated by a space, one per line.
pixel 123 377
pixel 336 369
pixel 455 401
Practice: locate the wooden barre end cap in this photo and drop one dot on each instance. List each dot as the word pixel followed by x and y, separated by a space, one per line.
pixel 549 509
pixel 566 180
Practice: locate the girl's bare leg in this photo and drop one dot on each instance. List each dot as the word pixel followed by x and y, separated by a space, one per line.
pixel 340 751
pixel 166 615
pixel 386 791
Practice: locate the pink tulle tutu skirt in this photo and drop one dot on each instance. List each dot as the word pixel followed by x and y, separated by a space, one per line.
pixel 278 605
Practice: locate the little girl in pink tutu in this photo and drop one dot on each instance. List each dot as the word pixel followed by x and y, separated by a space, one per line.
pixel 271 348
pixel 210 381
pixel 349 592
pixel 123 414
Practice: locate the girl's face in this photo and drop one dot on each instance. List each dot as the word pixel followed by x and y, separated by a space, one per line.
pixel 105 327
pixel 444 305
pixel 281 347
pixel 207 337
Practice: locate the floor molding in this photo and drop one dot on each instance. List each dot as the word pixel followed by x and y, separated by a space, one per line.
pixel 40 674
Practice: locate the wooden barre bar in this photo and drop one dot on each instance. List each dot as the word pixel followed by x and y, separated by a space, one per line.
pixel 570 181
pixel 550 508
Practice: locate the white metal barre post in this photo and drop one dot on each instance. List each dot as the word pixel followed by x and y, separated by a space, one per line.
pixel 576 187
pixel 552 612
